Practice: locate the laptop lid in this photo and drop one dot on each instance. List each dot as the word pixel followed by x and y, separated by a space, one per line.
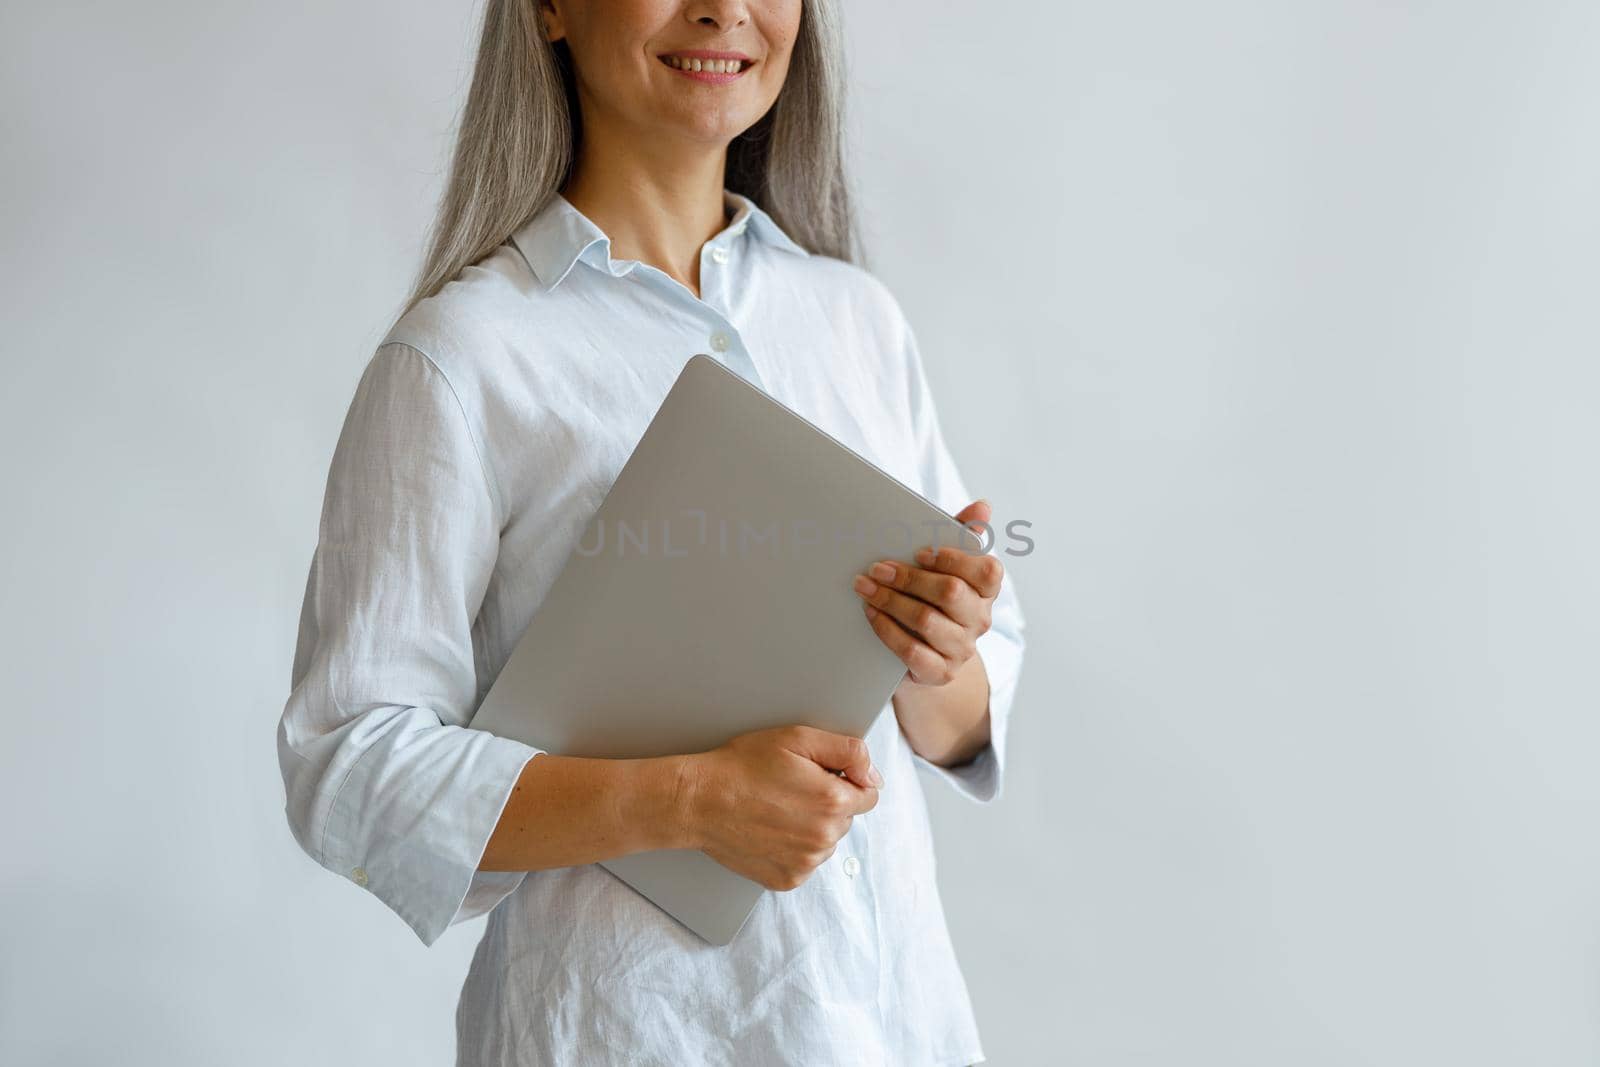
pixel 709 596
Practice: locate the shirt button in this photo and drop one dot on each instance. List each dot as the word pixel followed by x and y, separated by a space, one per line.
pixel 359 876
pixel 852 866
pixel 719 341
pixel 719 255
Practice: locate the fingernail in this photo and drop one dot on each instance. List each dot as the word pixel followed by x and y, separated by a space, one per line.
pixel 925 555
pixel 874 777
pixel 864 585
pixel 882 571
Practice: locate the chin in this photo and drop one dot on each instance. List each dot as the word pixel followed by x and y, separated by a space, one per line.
pixel 717 130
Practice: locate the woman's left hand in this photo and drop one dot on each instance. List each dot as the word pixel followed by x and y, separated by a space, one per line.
pixel 931 616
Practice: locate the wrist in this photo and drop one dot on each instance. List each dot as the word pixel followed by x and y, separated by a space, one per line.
pixel 681 787
pixel 648 806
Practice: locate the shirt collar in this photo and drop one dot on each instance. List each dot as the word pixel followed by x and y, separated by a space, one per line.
pixel 559 235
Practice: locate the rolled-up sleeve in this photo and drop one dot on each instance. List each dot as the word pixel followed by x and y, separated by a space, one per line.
pixel 385 784
pixel 1001 648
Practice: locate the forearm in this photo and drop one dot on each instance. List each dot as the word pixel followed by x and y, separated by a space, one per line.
pixel 946 724
pixel 566 811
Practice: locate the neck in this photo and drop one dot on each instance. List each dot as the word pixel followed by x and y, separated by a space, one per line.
pixel 658 203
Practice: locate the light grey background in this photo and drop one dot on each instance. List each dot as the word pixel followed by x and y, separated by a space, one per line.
pixel 1277 319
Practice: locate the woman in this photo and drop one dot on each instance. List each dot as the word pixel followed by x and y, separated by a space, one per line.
pixel 600 227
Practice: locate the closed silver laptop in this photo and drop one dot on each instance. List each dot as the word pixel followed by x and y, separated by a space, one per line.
pixel 710 595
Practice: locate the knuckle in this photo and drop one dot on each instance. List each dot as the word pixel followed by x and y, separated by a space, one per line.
pixel 924 618
pixel 847 800
pixel 951 588
pixel 993 570
pixel 820 838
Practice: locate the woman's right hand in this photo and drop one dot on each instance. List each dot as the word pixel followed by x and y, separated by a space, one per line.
pixel 770 804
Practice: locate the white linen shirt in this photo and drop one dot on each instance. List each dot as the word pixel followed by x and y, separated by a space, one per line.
pixel 482 436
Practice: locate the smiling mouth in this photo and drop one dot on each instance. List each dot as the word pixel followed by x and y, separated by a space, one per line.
pixel 720 69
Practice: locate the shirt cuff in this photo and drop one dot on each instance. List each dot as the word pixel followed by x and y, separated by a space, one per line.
pixel 412 819
pixel 981 778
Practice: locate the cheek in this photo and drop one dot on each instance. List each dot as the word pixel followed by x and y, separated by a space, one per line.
pixel 786 20
pixel 609 54
pixel 777 74
pixel 780 30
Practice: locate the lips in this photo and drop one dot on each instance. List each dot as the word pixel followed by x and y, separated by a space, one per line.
pixel 706 53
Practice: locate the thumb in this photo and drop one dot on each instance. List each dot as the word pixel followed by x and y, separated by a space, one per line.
pixel 839 752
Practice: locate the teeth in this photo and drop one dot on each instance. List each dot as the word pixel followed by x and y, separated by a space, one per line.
pixel 712 66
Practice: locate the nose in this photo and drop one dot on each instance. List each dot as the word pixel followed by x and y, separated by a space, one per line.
pixel 723 14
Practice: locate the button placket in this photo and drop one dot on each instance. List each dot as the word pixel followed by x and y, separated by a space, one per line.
pixel 731 353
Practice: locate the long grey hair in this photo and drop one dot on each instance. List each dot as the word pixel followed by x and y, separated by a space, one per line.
pixel 520 131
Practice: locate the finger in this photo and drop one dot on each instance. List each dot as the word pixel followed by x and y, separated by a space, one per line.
pixel 926 621
pixel 949 593
pixel 927 666
pixel 977 511
pixel 837 753
pixel 981 571
pixel 863 801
